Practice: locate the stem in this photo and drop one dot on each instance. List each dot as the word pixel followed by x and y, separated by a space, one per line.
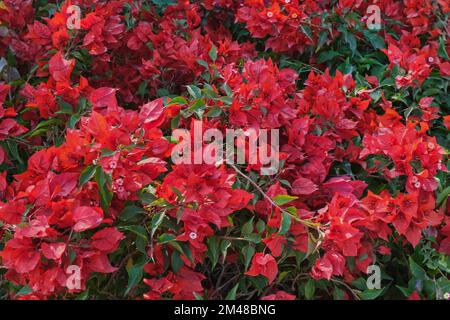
pixel 307 223
pixel 355 295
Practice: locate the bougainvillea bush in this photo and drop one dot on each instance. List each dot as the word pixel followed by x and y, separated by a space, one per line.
pixel 93 206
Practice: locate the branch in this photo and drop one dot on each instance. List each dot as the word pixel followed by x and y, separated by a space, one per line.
pixel 306 223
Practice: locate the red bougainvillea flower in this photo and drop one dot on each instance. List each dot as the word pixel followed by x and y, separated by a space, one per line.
pixel 331 264
pixel 279 295
pixel 265 265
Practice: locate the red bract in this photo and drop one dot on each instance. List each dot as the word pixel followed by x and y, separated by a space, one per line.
pixel 183 285
pixel 280 295
pixel 265 265
pixel 87 218
pixel 60 68
pixel 107 240
pixel 331 264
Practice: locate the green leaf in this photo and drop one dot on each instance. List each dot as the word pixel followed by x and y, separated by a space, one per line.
pixel 442 196
pixel 82 104
pixel 310 288
pixel 197 296
pixel 24 291
pixel 323 36
pixel 360 284
pixel 254 237
pixel 137 230
pixel 247 228
pixel 227 100
pixel 175 122
pixel 104 191
pixel 13 150
pixel 213 250
pixel 73 120
pixel 104 152
pixel 194 91
pixel 226 88
pixel 285 223
pixel 214 112
pixel 406 291
pixel 87 174
pixel 292 210
pixel 375 40
pixel 248 252
pixel 441 51
pixel 83 296
pixel 371 294
pixel 198 104
pixel 213 53
pixel 176 262
pixel 282 199
pixel 130 212
pixel 164 3
pixel 156 222
pixel 165 238
pixel 66 108
pixel 142 89
pixel 417 271
pixel 260 226
pixel 224 245
pixel 307 31
pixel 141 245
pixel 135 274
pixel 232 293
pixel 351 41
pixel 178 100
pixel 38 132
pixel 44 124
pixel 326 56
pixel 203 63
pixel 338 294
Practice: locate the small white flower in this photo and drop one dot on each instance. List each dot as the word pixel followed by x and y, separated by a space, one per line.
pixel 113 164
pixel 287 1
pixel 430 59
pixel 93 203
pixel 270 14
pixel 414 179
pixel 193 235
pixel 417 185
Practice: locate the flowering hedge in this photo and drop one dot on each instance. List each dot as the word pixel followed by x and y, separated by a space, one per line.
pixel 87 109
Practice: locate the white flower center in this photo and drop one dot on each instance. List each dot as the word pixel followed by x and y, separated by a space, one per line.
pixel 193 235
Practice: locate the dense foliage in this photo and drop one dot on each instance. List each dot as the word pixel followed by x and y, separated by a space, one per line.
pixel 87 180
